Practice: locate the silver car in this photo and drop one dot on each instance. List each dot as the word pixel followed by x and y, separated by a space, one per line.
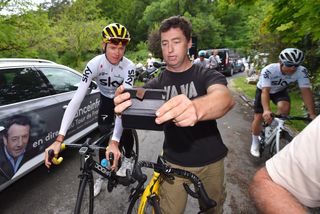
pixel 33 96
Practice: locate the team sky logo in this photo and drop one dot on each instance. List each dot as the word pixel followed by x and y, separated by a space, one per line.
pixel 281 82
pixel 305 73
pixel 86 74
pixel 267 74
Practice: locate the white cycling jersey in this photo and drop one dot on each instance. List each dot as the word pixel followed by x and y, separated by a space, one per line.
pixel 271 76
pixel 108 77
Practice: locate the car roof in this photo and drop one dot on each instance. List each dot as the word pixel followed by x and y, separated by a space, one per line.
pixel 5 62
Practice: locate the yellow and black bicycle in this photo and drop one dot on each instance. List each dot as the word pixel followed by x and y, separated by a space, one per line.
pixel 146 200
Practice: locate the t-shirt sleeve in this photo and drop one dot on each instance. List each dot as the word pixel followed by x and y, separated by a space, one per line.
pixel 295 166
pixel 212 77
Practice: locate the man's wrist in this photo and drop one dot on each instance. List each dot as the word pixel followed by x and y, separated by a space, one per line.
pixel 60 138
pixel 113 142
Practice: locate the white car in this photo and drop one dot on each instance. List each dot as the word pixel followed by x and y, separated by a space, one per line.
pixel 36 93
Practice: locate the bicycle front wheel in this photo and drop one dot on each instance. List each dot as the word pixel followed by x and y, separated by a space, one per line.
pixel 85 200
pixel 135 150
pixel 285 139
pixel 151 205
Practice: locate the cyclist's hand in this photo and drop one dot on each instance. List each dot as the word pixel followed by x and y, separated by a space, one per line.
pixel 56 148
pixel 267 116
pixel 121 100
pixel 114 148
pixel 180 109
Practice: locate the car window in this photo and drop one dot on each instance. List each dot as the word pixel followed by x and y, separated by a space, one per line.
pixel 62 80
pixel 20 84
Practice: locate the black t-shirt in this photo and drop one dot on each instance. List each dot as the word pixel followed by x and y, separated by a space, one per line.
pixel 198 145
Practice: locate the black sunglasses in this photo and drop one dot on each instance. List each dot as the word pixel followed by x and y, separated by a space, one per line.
pixel 117 41
pixel 289 65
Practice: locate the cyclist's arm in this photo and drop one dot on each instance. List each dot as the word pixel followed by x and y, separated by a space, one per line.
pixel 73 106
pixel 307 97
pixel 265 99
pixel 270 197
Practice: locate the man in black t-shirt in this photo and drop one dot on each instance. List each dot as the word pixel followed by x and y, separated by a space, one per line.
pixel 196 97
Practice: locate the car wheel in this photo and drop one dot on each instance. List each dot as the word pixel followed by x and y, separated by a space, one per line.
pixel 242 69
pixel 231 72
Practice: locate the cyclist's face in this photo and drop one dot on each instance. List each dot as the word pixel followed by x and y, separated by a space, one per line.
pixel 17 140
pixel 174 47
pixel 288 70
pixel 114 52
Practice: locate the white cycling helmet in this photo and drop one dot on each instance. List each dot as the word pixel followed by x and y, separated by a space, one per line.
pixel 291 56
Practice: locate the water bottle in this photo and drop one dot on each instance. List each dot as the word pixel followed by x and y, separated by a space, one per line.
pixel 104 163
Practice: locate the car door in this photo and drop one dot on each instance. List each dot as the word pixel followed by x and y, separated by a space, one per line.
pixel 24 96
pixel 64 82
pixel 41 94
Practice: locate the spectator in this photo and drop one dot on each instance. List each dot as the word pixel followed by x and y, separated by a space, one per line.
pixel 290 181
pixel 197 97
pixel 150 61
pixel 201 60
pixel 15 138
pixel 214 59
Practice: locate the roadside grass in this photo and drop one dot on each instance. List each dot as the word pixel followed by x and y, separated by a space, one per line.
pixel 297 106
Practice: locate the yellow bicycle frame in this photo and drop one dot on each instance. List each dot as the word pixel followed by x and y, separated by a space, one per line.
pixel 151 189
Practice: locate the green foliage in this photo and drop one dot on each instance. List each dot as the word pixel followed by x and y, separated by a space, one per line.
pixel 69 31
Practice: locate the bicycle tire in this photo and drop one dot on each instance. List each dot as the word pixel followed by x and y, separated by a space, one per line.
pixel 85 199
pixel 152 205
pixel 285 139
pixel 135 146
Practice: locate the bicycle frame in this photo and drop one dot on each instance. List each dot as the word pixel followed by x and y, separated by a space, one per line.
pixel 151 189
pixel 275 135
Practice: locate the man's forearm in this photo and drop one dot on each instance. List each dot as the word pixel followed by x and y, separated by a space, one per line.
pixel 308 100
pixel 265 100
pixel 215 104
pixel 270 197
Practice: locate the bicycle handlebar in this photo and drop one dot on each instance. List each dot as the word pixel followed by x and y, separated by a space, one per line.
pixel 288 117
pixel 85 148
pixel 200 192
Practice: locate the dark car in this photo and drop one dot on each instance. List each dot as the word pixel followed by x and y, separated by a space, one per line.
pixel 230 61
pixel 34 95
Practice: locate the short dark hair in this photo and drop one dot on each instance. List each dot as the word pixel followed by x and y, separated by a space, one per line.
pixel 16 119
pixel 177 22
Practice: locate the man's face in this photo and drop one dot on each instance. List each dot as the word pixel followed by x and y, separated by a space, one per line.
pixel 288 70
pixel 18 138
pixel 174 47
pixel 115 52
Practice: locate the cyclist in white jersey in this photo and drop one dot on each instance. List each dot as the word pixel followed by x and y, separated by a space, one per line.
pixel 273 82
pixel 110 70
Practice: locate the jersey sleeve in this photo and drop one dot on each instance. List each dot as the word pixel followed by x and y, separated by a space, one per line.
pixel 118 129
pixel 76 100
pixel 265 78
pixel 129 76
pixel 303 78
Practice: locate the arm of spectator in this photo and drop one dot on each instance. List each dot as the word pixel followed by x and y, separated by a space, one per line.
pixel 270 197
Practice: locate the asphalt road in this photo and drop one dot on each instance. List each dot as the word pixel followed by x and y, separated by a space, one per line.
pixel 54 193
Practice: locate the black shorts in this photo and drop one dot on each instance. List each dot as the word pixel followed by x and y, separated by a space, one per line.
pixel 279 96
pixel 106 114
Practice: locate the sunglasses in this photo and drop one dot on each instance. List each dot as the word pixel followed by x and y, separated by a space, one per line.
pixel 117 41
pixel 289 65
